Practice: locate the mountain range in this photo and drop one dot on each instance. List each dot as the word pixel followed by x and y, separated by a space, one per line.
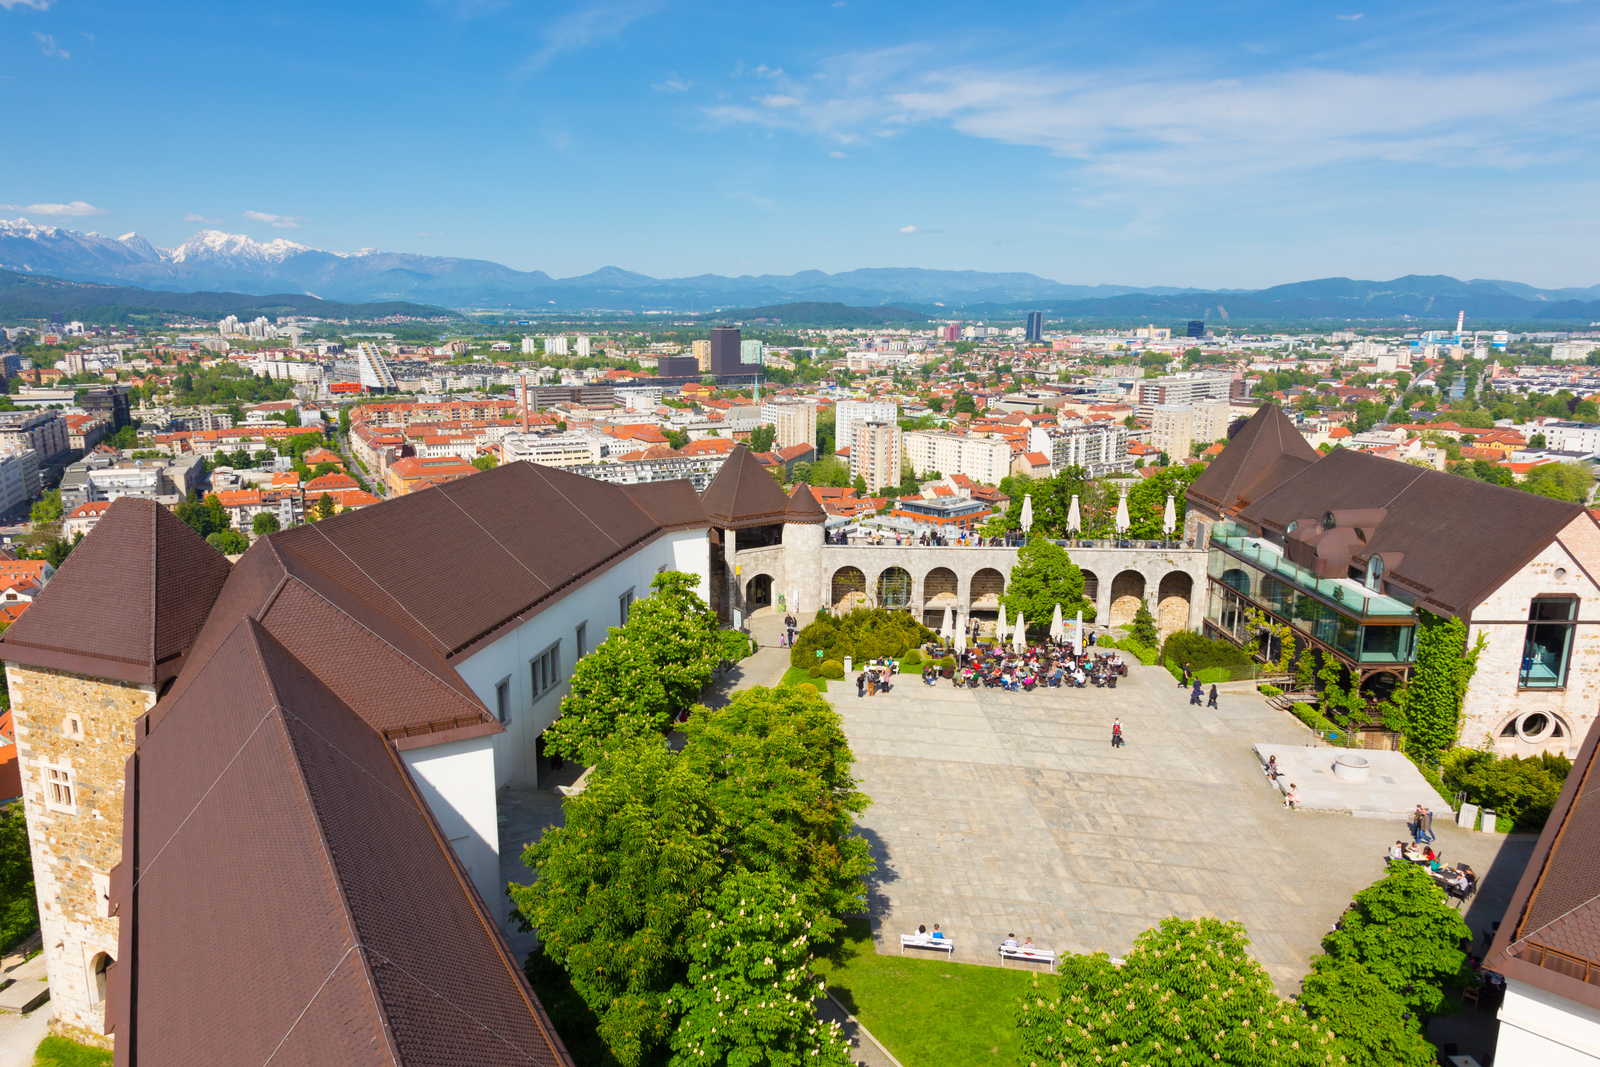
pixel 213 260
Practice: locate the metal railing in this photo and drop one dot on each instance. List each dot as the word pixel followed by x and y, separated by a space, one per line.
pixel 872 541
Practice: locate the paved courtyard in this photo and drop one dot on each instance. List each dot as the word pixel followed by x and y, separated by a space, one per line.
pixel 996 813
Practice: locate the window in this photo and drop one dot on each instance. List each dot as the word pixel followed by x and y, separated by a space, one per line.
pixel 58 794
pixel 1375 573
pixel 581 637
pixel 502 699
pixel 626 602
pixel 546 670
pixel 1548 645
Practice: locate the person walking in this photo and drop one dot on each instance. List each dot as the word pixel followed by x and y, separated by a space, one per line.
pixel 1425 821
pixel 1194 695
pixel 1213 701
pixel 1185 683
pixel 1116 733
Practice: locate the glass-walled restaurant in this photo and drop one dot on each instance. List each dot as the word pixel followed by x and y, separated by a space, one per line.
pixel 1364 625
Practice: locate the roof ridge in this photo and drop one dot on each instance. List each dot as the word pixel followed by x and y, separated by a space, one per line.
pixel 375 583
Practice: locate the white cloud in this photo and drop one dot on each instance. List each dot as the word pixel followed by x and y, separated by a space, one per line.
pixel 37 5
pixel 673 84
pixel 190 216
pixel 281 222
pixel 836 154
pixel 908 229
pixel 1350 18
pixel 780 100
pixel 582 28
pixel 47 45
pixel 76 209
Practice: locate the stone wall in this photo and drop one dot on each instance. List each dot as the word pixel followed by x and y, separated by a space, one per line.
pixel 1494 700
pixel 82 727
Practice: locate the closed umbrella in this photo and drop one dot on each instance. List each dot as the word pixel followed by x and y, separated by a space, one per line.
pixel 1122 513
pixel 1074 521
pixel 1019 640
pixel 1000 631
pixel 961 637
pixel 1169 518
pixel 1058 629
pixel 1027 513
pixel 1077 635
pixel 794 600
pixel 948 630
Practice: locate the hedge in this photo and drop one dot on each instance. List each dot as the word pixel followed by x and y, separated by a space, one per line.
pixel 1202 652
pixel 859 635
pixel 911 659
pixel 1147 656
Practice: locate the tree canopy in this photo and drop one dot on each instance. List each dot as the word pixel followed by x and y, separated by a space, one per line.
pixel 1044 576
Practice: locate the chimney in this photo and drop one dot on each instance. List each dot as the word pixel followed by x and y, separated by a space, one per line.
pixel 524 403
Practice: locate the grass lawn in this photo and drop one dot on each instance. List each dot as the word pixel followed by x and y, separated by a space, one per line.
pixel 59 1052
pixel 930 1013
pixel 796 675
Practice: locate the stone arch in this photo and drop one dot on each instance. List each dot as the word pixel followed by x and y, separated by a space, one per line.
pixel 97 974
pixel 1127 593
pixel 1172 602
pixel 1380 685
pixel 988 586
pixel 940 587
pixel 849 589
pixel 758 592
pixel 1091 586
pixel 894 588
pixel 1535 730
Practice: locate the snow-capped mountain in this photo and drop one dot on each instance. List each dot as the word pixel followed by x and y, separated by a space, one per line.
pixel 231 248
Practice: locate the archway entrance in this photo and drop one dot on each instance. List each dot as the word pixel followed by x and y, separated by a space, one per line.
pixel 988 586
pixel 1172 611
pixel 758 592
pixel 849 589
pixel 894 588
pixel 1127 593
pixel 940 590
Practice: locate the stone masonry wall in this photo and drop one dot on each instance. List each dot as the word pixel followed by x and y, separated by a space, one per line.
pixel 73 853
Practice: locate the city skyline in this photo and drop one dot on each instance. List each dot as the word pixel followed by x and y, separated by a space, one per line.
pixel 1161 145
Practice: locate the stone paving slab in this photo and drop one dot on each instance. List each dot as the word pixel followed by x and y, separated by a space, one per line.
pixel 1394 787
pixel 997 813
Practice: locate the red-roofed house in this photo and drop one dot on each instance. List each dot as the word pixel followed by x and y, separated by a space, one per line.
pixel 1033 464
pixel 330 482
pixel 83 517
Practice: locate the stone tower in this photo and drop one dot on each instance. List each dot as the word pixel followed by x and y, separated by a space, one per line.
pixel 90 656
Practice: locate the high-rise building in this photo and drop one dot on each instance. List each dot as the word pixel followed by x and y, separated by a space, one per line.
pixel 583 347
pixel 1197 328
pixel 794 422
pixel 1098 447
pixel 1172 430
pixel 875 454
pixel 847 413
pixel 725 357
pixel 530 346
pixel 950 331
pixel 1036 326
pixel 702 355
pixel 752 352
pixel 375 374
pixel 1181 389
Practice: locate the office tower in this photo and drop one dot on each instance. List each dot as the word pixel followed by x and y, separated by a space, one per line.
pixel 950 332
pixel 701 351
pixel 530 346
pixel 751 352
pixel 725 341
pixel 375 374
pixel 1197 328
pixel 1036 326
pixel 677 367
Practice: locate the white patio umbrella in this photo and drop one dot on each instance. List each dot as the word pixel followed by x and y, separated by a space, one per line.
pixel 1074 520
pixel 948 630
pixel 1027 513
pixel 1058 629
pixel 1169 518
pixel 1002 629
pixel 1122 513
pixel 1019 640
pixel 961 637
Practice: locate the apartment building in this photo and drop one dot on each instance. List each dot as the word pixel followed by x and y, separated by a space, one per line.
pixel 847 413
pixel 45 432
pixel 984 459
pixel 795 422
pixel 19 479
pixel 875 454
pixel 701 350
pixel 1180 389
pixel 1099 448
pixel 561 450
pixel 415 473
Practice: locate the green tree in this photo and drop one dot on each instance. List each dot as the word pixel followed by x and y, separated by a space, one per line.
pixel 748 996
pixel 344 420
pixel 203 517
pixel 859 485
pixel 761 438
pixel 1044 576
pixel 618 886
pixel 264 523
pixel 47 509
pixel 228 542
pixel 676 439
pixel 19 908
pixel 1560 481
pixel 1186 994
pixel 964 403
pixel 1143 629
pixel 1400 929
pixel 486 462
pixel 325 506
pixel 1372 1025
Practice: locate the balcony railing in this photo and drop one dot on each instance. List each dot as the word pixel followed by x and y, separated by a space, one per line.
pixel 1345 594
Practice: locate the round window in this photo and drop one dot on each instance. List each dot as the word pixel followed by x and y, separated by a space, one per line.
pixel 1534 726
pixel 1561 574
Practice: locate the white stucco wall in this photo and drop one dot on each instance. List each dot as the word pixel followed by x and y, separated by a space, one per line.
pixel 596 606
pixel 457 781
pixel 1541 1028
pixel 1568 566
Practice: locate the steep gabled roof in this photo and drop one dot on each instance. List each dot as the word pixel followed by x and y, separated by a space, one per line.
pixel 803 507
pixel 1260 443
pixel 1550 936
pixel 358 937
pixel 743 494
pixel 127 604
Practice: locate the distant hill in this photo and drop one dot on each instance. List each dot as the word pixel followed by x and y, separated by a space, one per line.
pixel 29 296
pixel 814 313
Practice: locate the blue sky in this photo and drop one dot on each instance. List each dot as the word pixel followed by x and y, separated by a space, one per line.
pixel 1223 145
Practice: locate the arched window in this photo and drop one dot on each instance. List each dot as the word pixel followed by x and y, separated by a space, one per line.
pixel 97 968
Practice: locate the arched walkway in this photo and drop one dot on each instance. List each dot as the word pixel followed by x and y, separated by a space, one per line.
pixel 988 585
pixel 1091 586
pixel 1172 602
pixel 894 588
pixel 849 584
pixel 1127 593
pixel 758 592
pixel 940 587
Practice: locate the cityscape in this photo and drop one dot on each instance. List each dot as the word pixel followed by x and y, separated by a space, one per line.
pixel 1021 563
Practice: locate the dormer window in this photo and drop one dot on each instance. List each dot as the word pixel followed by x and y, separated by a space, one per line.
pixel 1327 521
pixel 1375 573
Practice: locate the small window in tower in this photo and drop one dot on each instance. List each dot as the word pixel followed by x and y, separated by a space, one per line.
pixel 74 726
pixel 58 790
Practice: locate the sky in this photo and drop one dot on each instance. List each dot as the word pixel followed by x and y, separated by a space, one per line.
pixel 1223 145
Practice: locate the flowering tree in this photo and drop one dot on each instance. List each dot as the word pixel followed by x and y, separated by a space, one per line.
pixel 748 998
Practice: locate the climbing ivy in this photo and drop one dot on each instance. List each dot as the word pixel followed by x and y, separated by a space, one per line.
pixel 1429 707
pixel 1265 630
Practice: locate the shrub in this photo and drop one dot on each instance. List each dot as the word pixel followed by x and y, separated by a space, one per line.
pixel 832 668
pixel 1308 715
pixel 911 659
pixel 1518 789
pixel 1143 629
pixel 861 635
pixel 949 662
pixel 806 689
pixel 1202 652
pixel 814 671
pixel 735 645
pixel 1145 655
pixel 1270 691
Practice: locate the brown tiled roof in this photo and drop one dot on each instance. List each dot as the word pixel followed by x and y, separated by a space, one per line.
pixel 127 604
pixel 1550 936
pixel 286 896
pixel 1460 538
pixel 1267 436
pixel 743 493
pixel 674 505
pixel 519 537
pixel 803 506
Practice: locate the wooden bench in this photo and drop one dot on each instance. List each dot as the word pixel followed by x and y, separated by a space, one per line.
pixel 1036 955
pixel 943 944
